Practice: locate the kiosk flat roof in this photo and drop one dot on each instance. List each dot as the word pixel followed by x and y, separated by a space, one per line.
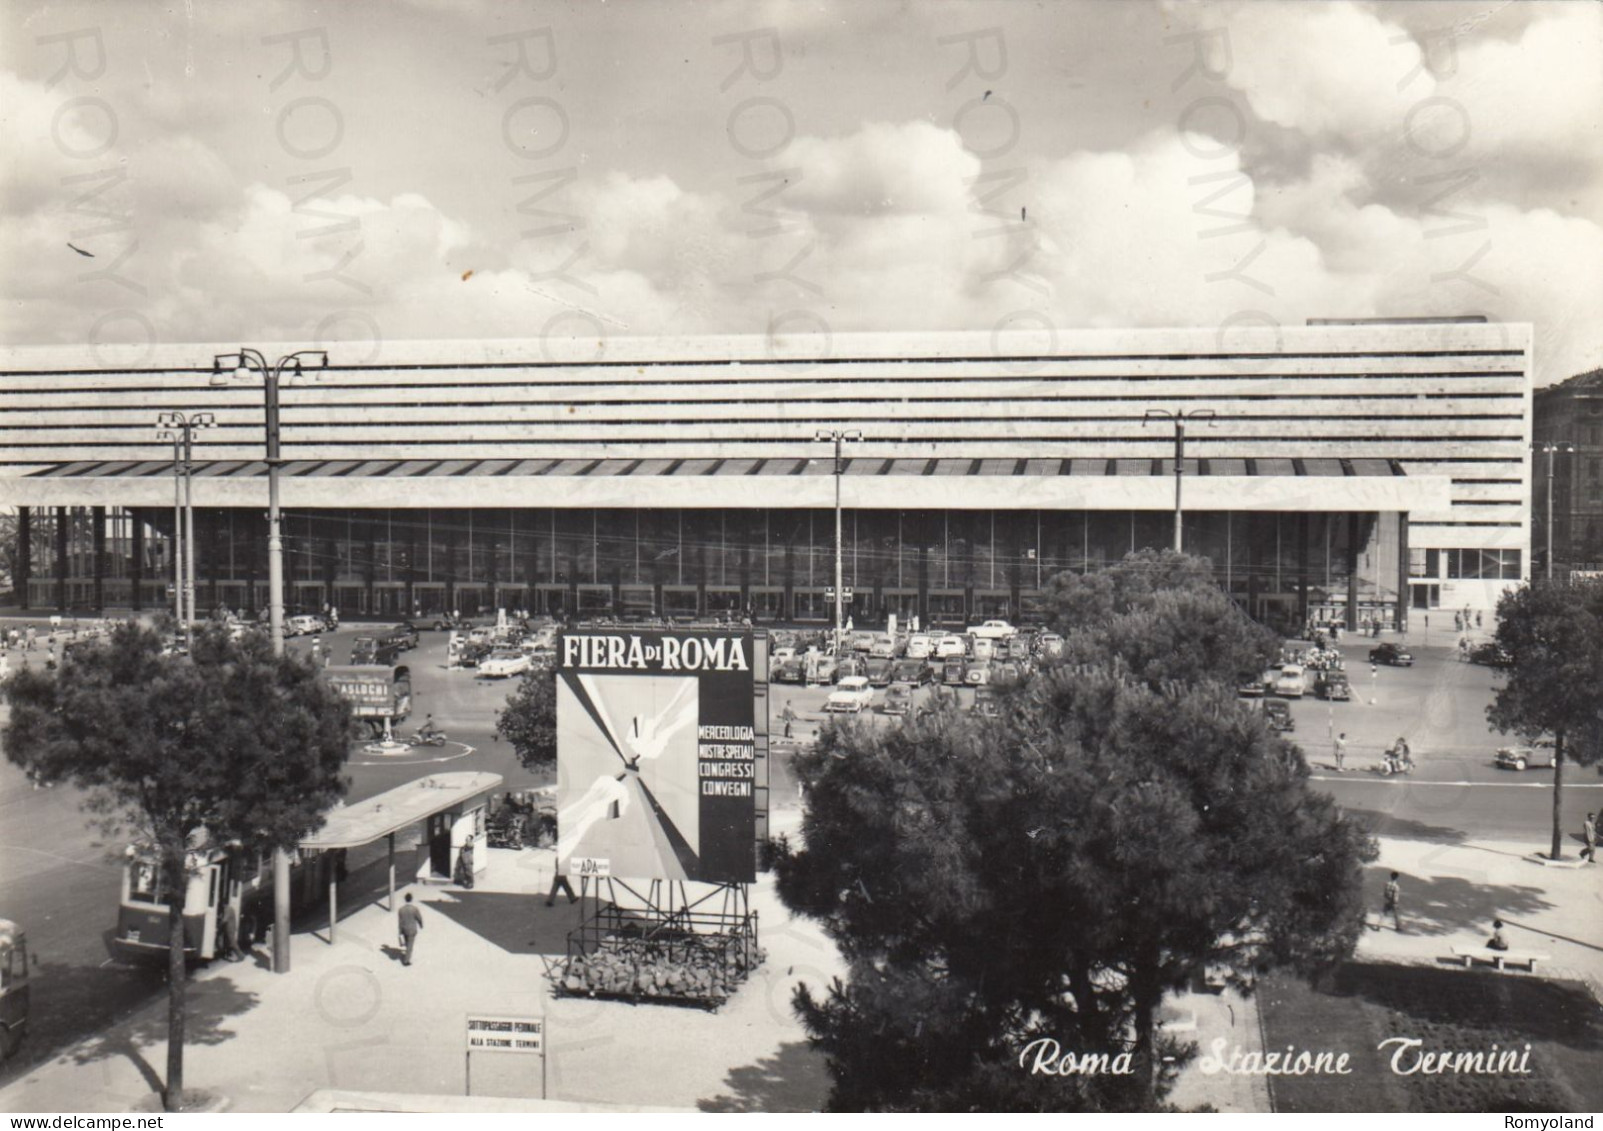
pixel 393 810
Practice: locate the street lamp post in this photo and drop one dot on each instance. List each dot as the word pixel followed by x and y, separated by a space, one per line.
pixel 227 367
pixel 233 366
pixel 838 437
pixel 182 428
pixel 178 522
pixel 1179 416
pixel 1550 447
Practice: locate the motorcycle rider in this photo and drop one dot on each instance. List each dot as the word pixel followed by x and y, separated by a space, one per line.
pixel 428 732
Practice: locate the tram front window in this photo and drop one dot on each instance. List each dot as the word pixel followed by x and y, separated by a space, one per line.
pixel 144 883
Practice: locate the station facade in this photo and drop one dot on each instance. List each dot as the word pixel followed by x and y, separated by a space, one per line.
pixel 1346 472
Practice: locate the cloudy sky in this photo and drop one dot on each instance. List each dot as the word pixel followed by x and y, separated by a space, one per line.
pixel 302 172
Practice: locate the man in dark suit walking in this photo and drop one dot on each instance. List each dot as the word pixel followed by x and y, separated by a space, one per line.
pixel 411 922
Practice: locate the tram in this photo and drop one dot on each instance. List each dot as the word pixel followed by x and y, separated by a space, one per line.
pixel 217 878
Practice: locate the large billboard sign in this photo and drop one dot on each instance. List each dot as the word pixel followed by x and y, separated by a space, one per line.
pixel 657 754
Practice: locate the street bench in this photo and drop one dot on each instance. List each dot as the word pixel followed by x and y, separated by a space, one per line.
pixel 1497 957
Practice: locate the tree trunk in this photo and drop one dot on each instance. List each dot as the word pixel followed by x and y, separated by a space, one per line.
pixel 1558 794
pixel 1148 996
pixel 177 977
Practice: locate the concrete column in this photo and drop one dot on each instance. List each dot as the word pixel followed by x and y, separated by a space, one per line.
pixel 136 564
pixel 24 554
pixel 1302 569
pixel 391 841
pixel 98 528
pixel 1352 572
pixel 1403 590
pixel 63 517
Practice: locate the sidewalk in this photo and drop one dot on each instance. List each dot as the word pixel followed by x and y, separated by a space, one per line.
pixel 350 1028
pixel 1452 892
pixel 350 1018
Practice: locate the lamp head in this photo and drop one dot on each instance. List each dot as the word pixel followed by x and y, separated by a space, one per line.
pixel 170 420
pixel 203 420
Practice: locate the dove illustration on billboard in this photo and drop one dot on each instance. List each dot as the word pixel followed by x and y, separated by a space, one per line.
pixel 656 769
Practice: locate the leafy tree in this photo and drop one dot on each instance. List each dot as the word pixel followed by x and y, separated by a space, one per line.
pixel 1053 874
pixel 529 720
pixel 1161 616
pixel 232 746
pixel 1554 633
pixel 1074 600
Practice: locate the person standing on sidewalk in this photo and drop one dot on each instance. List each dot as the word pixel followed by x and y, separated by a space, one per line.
pixel 559 882
pixel 410 921
pixel 789 717
pixel 1389 904
pixel 1589 838
pixel 1341 752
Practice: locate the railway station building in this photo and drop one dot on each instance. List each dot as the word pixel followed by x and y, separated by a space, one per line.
pixel 1347 471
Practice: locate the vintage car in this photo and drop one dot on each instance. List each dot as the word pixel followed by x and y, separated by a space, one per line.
pixel 950 648
pixel 1525 755
pixel 985 704
pixel 915 672
pixel 789 671
pixel 851 695
pixel 1050 645
pixel 884 647
pixel 898 700
pixel 505 662
pixel 878 671
pixel 1332 685
pixel 1492 654
pixel 919 646
pixel 1391 654
pixel 952 673
pixel 1289 684
pixel 1279 715
pixel 977 672
pixel 992 630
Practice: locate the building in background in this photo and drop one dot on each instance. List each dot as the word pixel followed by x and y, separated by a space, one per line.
pixel 1350 471
pixel 1570 416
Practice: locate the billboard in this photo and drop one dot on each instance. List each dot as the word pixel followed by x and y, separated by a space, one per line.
pixel 658 759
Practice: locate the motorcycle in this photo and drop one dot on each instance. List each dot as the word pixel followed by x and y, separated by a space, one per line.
pixel 1393 764
pixel 428 738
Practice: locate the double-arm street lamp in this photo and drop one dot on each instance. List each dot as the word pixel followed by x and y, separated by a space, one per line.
pixel 1179 416
pixel 838 437
pixel 180 429
pixel 1550 447
pixel 228 367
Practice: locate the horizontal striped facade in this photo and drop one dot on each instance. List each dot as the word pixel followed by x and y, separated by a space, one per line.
pixel 945 420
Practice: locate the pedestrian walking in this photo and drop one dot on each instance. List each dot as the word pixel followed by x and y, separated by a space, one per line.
pixel 1389 904
pixel 410 922
pixel 789 717
pixel 1341 752
pixel 1589 838
pixel 33 637
pixel 559 882
pixel 1477 620
pixel 464 867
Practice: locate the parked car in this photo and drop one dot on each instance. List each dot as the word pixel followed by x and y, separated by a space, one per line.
pixel 985 704
pixel 447 622
pixel 992 630
pixel 850 666
pixel 884 647
pixel 505 662
pixel 404 636
pixel 952 673
pixel 1392 654
pixel 303 625
pixel 919 646
pixel 1006 671
pixel 861 641
pixel 371 650
pixel 982 648
pixel 1255 688
pixel 879 671
pixel 914 672
pixel 1050 645
pixel 825 671
pixel 470 652
pixel 1526 755
pixel 781 655
pixel 1332 685
pixel 1289 683
pixel 851 695
pixel 1492 654
pixel 977 672
pixel 1279 715
pixel 950 648
pixel 789 671
pixel 898 700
